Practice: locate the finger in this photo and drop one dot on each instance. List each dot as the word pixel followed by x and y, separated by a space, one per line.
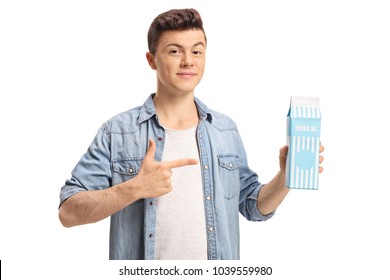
pixel 151 150
pixel 320 169
pixel 283 151
pixel 180 162
pixel 322 148
pixel 321 159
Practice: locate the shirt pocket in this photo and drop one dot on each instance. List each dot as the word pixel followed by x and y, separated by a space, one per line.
pixel 229 175
pixel 127 168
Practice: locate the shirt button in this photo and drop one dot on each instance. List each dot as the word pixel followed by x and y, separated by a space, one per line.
pixel 159 139
pixel 200 135
pixel 206 167
pixel 231 165
pixel 211 228
pixel 208 197
pixel 150 235
pixel 151 203
pixel 131 170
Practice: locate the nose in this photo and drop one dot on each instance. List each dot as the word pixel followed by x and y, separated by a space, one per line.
pixel 187 59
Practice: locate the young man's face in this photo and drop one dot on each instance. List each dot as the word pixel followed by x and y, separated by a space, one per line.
pixel 179 61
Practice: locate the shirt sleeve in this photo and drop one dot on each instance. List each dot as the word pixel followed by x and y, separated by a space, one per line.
pixel 249 189
pixel 249 207
pixel 93 171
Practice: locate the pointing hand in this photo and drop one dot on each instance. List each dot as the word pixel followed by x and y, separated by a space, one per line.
pixel 154 178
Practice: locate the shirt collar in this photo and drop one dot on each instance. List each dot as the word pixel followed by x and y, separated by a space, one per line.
pixel 148 110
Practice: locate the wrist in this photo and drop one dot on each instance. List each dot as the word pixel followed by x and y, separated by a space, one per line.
pixel 127 192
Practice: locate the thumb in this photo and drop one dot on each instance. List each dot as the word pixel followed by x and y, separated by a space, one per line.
pixel 151 150
pixel 283 151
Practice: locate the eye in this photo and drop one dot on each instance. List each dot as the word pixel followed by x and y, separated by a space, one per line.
pixel 198 52
pixel 174 51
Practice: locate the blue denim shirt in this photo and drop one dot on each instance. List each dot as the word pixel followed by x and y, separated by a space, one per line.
pixel 229 185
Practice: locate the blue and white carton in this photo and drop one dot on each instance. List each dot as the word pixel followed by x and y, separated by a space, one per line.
pixel 303 139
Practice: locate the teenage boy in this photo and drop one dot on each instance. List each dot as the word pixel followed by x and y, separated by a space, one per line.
pixel 172 173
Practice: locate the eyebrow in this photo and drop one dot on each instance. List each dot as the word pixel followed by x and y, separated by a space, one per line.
pixel 180 46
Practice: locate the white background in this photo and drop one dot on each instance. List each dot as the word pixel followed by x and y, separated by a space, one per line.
pixel 68 66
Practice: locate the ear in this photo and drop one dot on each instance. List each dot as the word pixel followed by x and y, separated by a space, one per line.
pixel 150 59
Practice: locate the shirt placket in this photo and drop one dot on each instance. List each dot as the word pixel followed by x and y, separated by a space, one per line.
pixel 207 192
pixel 157 133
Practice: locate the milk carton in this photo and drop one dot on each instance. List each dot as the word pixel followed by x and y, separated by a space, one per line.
pixel 303 139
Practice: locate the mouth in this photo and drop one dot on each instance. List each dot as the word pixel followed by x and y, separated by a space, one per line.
pixel 186 74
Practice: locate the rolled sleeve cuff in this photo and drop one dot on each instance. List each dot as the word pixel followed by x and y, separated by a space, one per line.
pixel 68 191
pixel 253 212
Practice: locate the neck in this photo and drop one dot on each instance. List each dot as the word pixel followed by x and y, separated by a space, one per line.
pixel 176 112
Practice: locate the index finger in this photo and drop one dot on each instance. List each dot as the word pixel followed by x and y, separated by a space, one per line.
pixel 180 162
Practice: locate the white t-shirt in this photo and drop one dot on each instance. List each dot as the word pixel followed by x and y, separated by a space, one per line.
pixel 181 225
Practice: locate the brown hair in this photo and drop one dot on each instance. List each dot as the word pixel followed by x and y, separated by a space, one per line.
pixel 177 19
